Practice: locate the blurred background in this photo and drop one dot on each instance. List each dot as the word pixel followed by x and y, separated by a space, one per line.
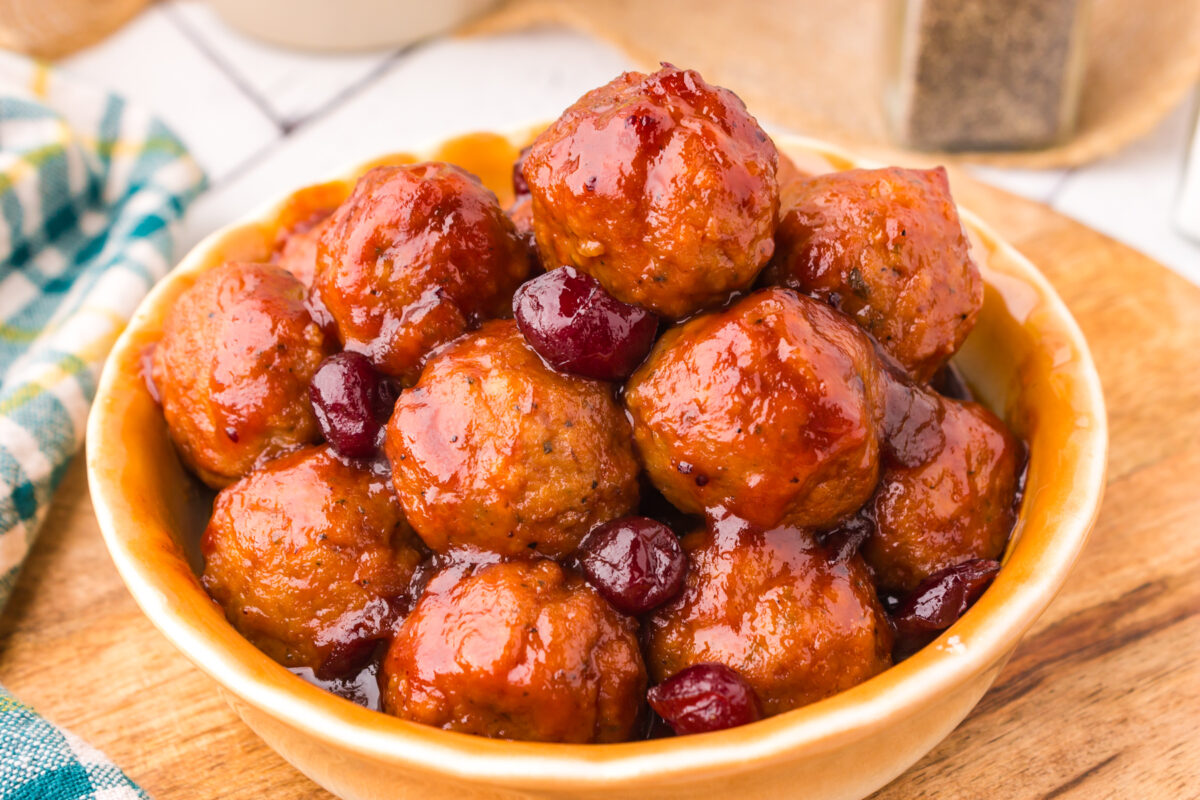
pixel 1088 106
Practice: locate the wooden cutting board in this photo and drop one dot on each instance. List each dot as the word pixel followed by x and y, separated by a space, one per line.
pixel 1101 700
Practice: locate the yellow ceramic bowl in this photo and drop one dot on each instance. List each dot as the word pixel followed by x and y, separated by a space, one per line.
pixel 1026 359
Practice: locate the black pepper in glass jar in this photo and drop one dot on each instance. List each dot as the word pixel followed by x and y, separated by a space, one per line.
pixel 985 75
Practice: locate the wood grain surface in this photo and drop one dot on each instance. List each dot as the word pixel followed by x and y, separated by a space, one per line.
pixel 1102 699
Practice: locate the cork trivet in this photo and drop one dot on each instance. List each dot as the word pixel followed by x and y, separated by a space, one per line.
pixel 817 66
pixel 54 28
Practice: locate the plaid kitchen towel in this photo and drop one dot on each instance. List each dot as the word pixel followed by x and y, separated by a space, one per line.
pixel 90 191
pixel 41 762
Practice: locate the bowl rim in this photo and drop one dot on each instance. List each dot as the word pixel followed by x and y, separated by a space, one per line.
pixel 982 638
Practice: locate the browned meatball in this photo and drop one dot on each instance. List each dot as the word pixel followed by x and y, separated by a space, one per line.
pixel 311 559
pixel 232 370
pixel 954 504
pixel 494 449
pixel 416 256
pixel 769 410
pixel 886 247
pixel 298 251
pixel 521 214
pixel 660 186
pixel 795 623
pixel 519 650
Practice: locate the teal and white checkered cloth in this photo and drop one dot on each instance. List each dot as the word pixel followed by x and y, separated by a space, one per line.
pixel 90 191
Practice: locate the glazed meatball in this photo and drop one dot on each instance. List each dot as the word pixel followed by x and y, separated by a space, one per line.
pixel 232 370
pixel 311 559
pixel 952 502
pixel 416 256
pixel 298 251
pixel 494 449
pixel 796 623
pixel 886 247
pixel 769 410
pixel 518 650
pixel 660 186
pixel 521 214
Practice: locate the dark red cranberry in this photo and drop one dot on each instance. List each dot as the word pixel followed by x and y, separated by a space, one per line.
pixel 520 185
pixel 912 424
pixel 634 562
pixel 351 402
pixel 942 598
pixel 578 327
pixel 949 382
pixel 846 539
pixel 704 697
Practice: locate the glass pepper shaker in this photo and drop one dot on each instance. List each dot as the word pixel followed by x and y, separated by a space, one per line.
pixel 984 75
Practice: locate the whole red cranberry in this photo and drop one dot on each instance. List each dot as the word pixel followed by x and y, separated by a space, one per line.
pixel 634 562
pixel 704 697
pixel 940 600
pixel 578 327
pixel 351 402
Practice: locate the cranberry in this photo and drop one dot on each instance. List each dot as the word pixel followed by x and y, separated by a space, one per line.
pixel 520 185
pixel 941 599
pixel 912 425
pixel 846 539
pixel 704 697
pixel 351 401
pixel 576 326
pixel 949 382
pixel 636 563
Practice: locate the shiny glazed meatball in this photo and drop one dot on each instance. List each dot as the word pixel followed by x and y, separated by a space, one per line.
pixel 956 506
pixel 416 256
pixel 886 247
pixel 232 370
pixel 769 409
pixel 518 650
pixel 494 449
pixel 298 252
pixel 797 624
pixel 311 559
pixel 660 186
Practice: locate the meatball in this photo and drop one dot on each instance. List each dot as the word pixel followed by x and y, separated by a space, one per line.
pixel 886 247
pixel 769 410
pixel 416 256
pixel 796 623
pixel 495 450
pixel 311 559
pixel 954 505
pixel 232 370
pixel 660 186
pixel 297 253
pixel 517 650
pixel 521 214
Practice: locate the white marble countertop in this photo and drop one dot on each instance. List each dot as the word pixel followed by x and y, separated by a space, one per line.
pixel 263 120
